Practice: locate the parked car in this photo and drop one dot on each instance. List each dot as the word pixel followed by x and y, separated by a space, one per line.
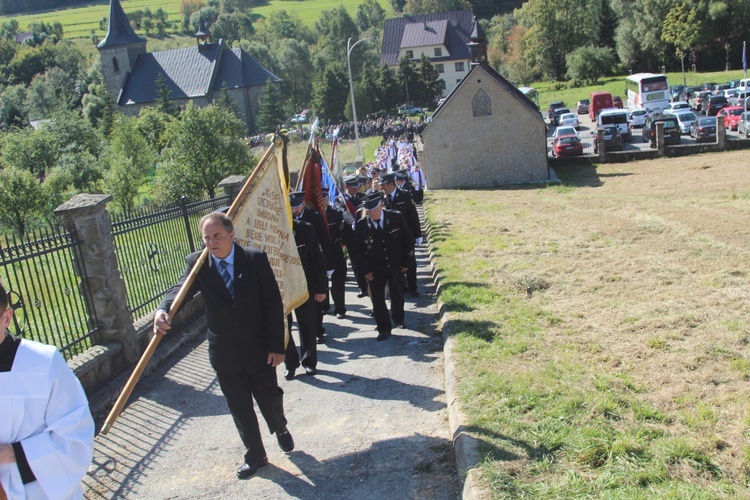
pixel 567 145
pixel 674 106
pixel 704 129
pixel 617 101
pixel 722 86
pixel 685 119
pixel 560 131
pixel 582 107
pixel 555 120
pixel 618 118
pixel 743 126
pixel 708 86
pixel 637 118
pixel 687 92
pixel 409 110
pixel 696 99
pixel 714 103
pixel 599 101
pixel 675 91
pixel 731 116
pixel 733 83
pixel 568 119
pixel 552 107
pixel 739 98
pixel 671 129
pixel 612 138
pixel 730 93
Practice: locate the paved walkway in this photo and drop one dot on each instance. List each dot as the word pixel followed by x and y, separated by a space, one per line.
pixel 372 424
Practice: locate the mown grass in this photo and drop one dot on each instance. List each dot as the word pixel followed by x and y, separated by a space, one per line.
pixel 595 358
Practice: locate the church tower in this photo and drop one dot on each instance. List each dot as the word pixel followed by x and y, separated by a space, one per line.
pixel 119 49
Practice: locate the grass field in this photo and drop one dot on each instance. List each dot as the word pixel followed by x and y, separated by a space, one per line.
pixel 78 22
pixel 603 329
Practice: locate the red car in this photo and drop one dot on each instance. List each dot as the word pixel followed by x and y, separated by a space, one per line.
pixel 731 116
pixel 617 101
pixel 567 145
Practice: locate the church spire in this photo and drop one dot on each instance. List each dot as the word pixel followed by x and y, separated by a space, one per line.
pixel 478 44
pixel 119 31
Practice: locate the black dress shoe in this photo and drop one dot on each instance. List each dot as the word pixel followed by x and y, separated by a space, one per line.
pixel 286 443
pixel 320 340
pixel 414 293
pixel 362 294
pixel 340 314
pixel 401 325
pixel 248 470
pixel 289 374
pixel 383 335
pixel 310 371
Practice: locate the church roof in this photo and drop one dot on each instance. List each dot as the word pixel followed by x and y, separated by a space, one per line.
pixel 119 31
pixel 511 89
pixel 192 72
pixel 451 29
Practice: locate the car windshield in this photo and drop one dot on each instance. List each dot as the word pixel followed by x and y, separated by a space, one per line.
pixel 569 116
pixel 718 98
pixel 583 101
pixel 565 131
pixel 686 117
pixel 735 112
pixel 610 130
pixel 707 121
pixel 568 140
pixel 638 112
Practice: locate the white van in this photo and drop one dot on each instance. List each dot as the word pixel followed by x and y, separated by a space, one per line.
pixel 616 116
pixel 743 85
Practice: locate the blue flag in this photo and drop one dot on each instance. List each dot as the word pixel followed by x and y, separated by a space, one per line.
pixel 327 181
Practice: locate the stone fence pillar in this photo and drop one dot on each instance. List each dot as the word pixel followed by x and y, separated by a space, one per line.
pixel 232 185
pixel 87 214
pixel 661 146
pixel 721 132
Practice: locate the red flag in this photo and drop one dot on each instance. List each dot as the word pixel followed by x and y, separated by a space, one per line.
pixel 312 184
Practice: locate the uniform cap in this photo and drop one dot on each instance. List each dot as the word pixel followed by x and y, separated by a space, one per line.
pixel 400 175
pixel 373 200
pixel 296 198
pixel 352 180
pixel 388 177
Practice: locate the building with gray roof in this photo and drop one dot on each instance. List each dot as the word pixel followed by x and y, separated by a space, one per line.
pixel 442 36
pixel 197 73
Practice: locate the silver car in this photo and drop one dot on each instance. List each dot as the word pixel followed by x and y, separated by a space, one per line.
pixel 637 118
pixel 685 118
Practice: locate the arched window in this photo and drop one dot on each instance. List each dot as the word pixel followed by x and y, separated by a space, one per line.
pixel 116 65
pixel 481 104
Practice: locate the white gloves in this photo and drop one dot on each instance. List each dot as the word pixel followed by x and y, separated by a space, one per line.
pixel 418 241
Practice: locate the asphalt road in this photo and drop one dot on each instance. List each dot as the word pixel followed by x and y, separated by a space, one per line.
pixel 371 425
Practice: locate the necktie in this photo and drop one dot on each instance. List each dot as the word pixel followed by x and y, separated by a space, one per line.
pixel 228 281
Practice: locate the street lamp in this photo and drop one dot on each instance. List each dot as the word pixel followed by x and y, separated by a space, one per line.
pixel 351 90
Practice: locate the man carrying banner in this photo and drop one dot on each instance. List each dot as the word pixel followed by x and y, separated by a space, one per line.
pixel 314 264
pixel 245 333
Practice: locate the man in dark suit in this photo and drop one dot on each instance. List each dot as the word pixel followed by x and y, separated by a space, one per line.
pixel 314 264
pixel 245 333
pixel 397 199
pixel 311 216
pixel 335 218
pixel 349 203
pixel 382 247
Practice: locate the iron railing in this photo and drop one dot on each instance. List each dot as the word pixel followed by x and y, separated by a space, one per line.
pixel 43 277
pixel 151 247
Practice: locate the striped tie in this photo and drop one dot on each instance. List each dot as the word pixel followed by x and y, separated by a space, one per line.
pixel 228 281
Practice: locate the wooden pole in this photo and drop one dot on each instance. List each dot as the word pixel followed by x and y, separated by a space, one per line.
pixel 146 357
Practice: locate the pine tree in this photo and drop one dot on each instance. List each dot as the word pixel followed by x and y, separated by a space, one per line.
pixel 163 103
pixel 271 111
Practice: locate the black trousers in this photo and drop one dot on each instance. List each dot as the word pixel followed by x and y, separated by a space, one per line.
pixel 239 390
pixel 307 318
pixel 395 282
pixel 338 284
pixel 411 275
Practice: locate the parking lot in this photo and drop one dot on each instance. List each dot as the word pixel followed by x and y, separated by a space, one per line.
pixel 587 131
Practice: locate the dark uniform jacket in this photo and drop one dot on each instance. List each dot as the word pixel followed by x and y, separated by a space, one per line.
pixel 244 329
pixel 380 251
pixel 321 231
pixel 313 261
pixel 403 202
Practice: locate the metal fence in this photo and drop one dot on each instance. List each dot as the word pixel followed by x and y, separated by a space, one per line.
pixel 42 275
pixel 151 248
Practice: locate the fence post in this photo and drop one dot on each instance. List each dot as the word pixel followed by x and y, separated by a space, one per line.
pixel 232 186
pixel 186 219
pixel 721 133
pixel 87 215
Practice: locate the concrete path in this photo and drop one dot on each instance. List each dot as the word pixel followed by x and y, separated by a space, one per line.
pixel 372 424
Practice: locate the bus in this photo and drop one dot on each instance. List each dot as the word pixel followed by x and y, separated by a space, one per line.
pixel 647 91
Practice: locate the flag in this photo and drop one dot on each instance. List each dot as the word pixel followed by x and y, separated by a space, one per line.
pixel 264 221
pixel 327 181
pixel 312 183
pixel 744 59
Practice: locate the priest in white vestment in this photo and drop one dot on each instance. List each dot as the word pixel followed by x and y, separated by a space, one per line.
pixel 46 429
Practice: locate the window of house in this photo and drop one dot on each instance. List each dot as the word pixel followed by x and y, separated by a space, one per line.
pixel 441 83
pixel 460 66
pixel 440 68
pixel 116 65
pixel 481 104
pixel 410 54
pixel 438 52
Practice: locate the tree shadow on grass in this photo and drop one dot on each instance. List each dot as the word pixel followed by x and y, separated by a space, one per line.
pixel 482 330
pixel 465 296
